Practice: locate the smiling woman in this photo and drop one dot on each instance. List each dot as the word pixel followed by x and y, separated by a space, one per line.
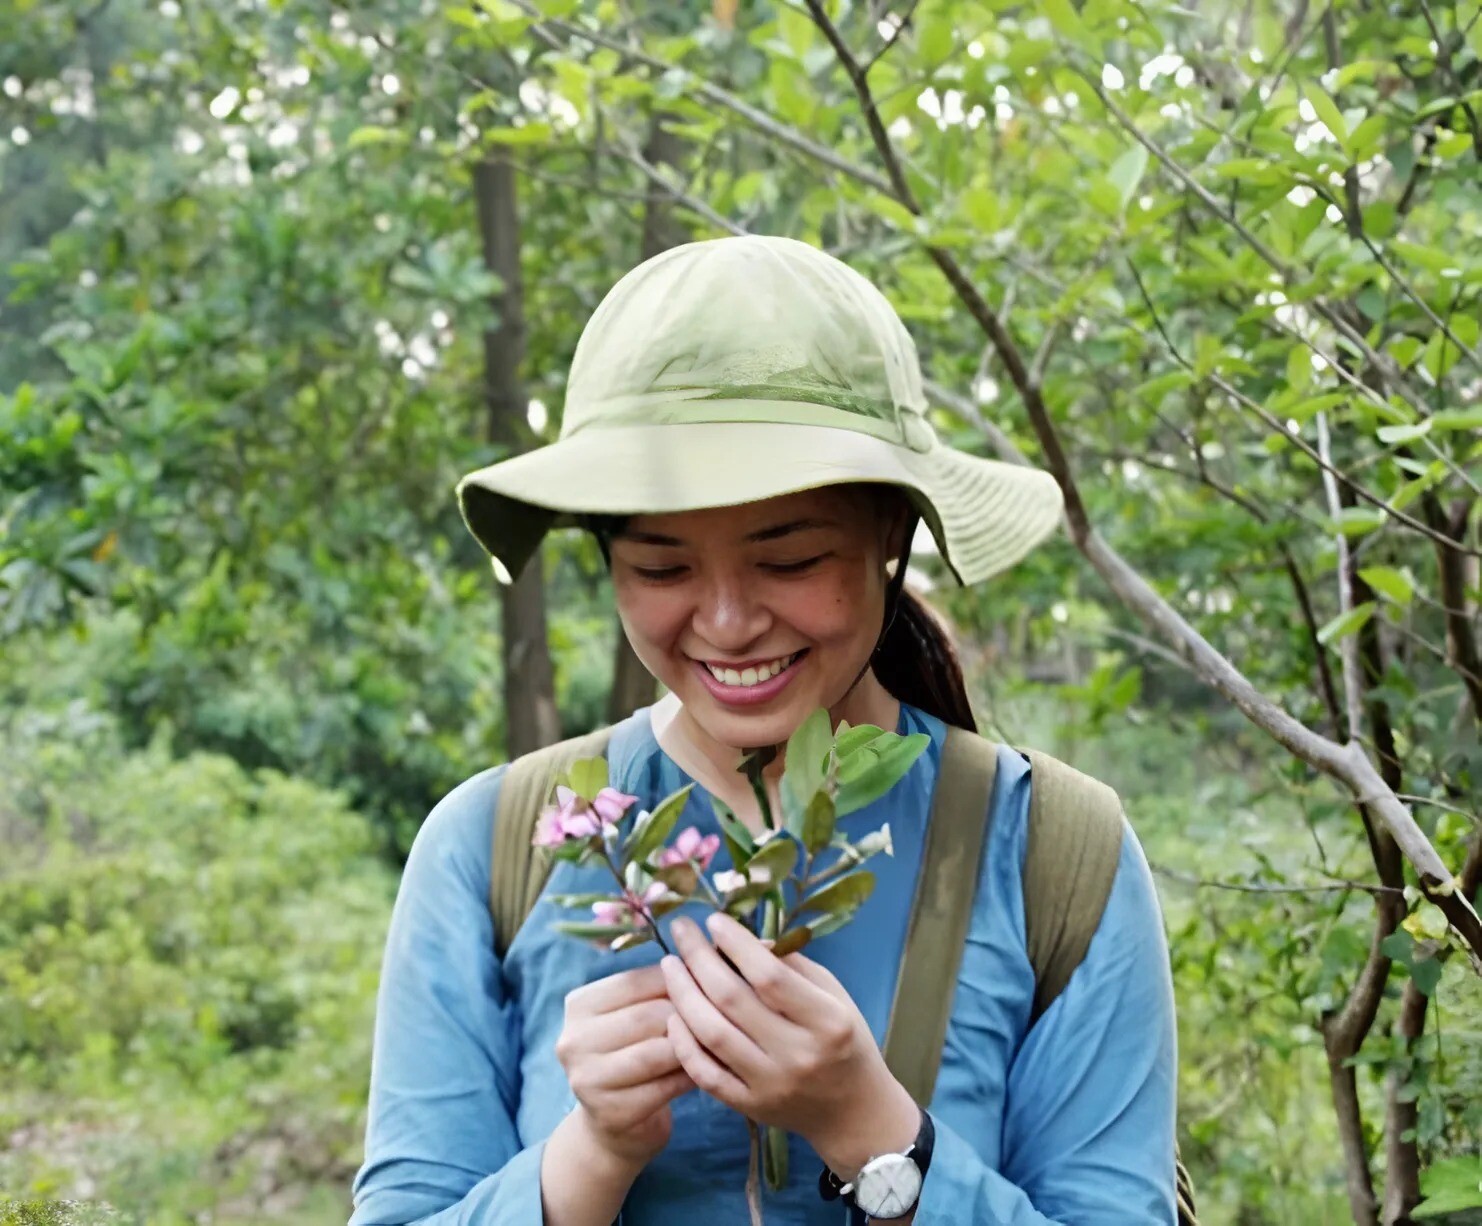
pixel 754 476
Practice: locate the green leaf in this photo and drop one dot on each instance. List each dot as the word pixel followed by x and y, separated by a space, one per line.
pixel 1299 367
pixel 856 738
pixel 778 856
pixel 580 900
pixel 525 134
pixel 1458 419
pixel 371 134
pixel 878 777
pixel 1063 18
pixel 1347 623
pixel 981 208
pixel 591 932
pixel 841 895
pixel 1392 584
pixel 651 831
pixel 587 777
pixel 1406 433
pixel 1127 171
pixel 1327 110
pixel 738 838
pixel 1357 521
pixel 934 36
pixel 1427 974
pixel 792 941
pixel 774 1156
pixel 802 776
pixel 891 210
pixel 1450 1186
pixel 635 938
pixel 1399 946
pixel 818 822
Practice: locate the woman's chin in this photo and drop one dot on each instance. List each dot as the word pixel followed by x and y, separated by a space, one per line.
pixel 748 727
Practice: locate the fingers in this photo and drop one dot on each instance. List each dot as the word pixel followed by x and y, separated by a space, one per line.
pixel 817 975
pixel 623 1109
pixel 707 1025
pixel 643 1062
pixel 616 991
pixel 703 1069
pixel 626 1026
pixel 725 989
pixel 773 980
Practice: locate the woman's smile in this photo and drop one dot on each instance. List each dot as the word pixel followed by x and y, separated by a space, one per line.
pixel 750 682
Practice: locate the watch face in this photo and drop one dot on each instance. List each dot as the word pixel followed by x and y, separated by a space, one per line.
pixel 888 1187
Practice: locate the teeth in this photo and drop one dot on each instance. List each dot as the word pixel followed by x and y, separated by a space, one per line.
pixel 750 676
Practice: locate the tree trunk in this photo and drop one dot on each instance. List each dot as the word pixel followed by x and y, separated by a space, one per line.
pixel 530 714
pixel 632 685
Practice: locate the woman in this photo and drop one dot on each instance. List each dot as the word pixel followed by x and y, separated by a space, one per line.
pixel 745 431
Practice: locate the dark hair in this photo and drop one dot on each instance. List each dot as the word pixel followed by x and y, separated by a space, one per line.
pixel 917 663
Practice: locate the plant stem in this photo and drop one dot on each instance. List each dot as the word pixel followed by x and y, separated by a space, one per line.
pixel 653 924
pixel 754 1173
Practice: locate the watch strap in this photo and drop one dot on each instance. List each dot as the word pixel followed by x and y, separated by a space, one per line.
pixel 831 1187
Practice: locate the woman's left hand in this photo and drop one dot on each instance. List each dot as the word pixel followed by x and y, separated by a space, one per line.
pixel 784 1044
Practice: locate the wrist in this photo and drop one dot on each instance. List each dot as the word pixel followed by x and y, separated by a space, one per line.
pixel 884 1122
pixel 595 1154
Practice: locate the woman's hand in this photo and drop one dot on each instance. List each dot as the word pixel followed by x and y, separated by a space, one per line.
pixel 621 1064
pixel 783 1043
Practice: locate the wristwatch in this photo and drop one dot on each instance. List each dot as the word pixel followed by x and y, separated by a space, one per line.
pixel 887 1186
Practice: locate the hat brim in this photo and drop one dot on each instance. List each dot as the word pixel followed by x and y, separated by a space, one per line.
pixel 984 514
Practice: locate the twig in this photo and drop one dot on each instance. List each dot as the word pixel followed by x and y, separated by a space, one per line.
pixel 1248 887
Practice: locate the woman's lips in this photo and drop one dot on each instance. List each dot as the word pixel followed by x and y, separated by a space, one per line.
pixel 747 696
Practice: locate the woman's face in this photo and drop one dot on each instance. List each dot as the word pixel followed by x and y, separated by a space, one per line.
pixel 756 615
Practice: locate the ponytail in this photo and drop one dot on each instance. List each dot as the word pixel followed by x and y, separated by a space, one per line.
pixel 917 663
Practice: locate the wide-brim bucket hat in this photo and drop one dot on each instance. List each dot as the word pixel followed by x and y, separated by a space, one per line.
pixel 739 369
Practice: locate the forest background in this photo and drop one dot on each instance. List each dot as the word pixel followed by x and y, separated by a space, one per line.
pixel 274 273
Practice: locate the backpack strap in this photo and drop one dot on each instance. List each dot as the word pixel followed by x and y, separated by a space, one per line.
pixel 1075 844
pixel 941 908
pixel 517 870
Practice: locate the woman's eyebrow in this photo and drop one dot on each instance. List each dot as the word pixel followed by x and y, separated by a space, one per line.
pixel 796 525
pixel 762 534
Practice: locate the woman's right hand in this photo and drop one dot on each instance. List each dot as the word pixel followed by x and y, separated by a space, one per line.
pixel 614 1046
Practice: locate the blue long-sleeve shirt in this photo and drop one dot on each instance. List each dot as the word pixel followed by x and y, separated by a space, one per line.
pixel 1070 1122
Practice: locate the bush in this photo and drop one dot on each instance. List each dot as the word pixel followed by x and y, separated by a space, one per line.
pixel 188 960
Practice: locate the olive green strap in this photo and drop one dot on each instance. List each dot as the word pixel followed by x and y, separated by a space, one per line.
pixel 936 933
pixel 1075 843
pixel 517 869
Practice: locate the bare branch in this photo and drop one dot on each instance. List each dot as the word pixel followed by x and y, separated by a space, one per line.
pixel 1353 690
pixel 1381 362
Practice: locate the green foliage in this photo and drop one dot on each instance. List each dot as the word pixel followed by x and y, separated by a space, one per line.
pixel 243 303
pixel 188 958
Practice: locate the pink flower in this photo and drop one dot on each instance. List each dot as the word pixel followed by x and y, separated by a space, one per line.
pixel 631 909
pixel 571 817
pixel 691 847
pixel 611 805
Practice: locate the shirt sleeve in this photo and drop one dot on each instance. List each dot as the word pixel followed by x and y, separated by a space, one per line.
pixel 441 1144
pixel 1089 1113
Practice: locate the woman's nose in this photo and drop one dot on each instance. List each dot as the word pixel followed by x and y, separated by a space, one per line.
pixel 728 616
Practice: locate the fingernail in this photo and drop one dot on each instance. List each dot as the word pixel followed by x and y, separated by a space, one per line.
pixel 715 921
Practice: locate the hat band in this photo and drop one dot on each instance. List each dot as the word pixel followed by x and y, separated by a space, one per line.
pixel 904 428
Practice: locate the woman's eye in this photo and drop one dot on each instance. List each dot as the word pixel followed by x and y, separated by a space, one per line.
pixel 658 574
pixel 795 568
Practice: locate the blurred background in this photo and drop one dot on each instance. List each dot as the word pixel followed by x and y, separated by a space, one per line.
pixel 274 273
